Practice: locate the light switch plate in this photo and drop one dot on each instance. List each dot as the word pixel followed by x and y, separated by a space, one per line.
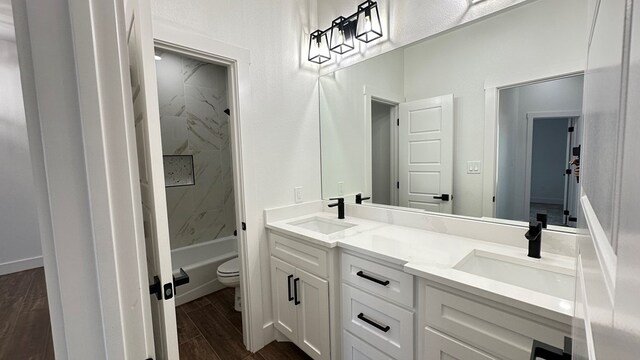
pixel 474 167
pixel 298 194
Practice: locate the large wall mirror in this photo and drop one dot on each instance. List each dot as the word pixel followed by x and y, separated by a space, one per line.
pixel 483 120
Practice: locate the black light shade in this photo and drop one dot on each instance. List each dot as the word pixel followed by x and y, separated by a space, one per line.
pixel 319 47
pixel 341 35
pixel 369 26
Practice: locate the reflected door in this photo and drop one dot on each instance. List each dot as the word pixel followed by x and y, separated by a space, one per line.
pixel 425 154
pixel 151 172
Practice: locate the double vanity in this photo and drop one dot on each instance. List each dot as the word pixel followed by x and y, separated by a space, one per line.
pixel 391 284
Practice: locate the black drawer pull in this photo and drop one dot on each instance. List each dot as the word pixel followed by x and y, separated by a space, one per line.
pixel 373 323
pixel 289 287
pixel 371 278
pixel 295 291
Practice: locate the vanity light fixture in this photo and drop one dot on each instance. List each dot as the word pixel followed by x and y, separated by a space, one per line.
pixel 319 47
pixel 364 25
pixel 341 35
pixel 369 27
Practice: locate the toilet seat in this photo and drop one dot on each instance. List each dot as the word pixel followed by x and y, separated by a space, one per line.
pixel 229 268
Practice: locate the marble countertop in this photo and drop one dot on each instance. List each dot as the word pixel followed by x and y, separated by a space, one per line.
pixel 433 256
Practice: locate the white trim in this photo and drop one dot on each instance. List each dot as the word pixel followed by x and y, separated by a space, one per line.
pixel 21 265
pixel 591 351
pixel 604 251
pixel 173 37
pixel 531 116
pixel 385 96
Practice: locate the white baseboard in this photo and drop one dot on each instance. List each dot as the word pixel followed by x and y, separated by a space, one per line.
pixel 21 265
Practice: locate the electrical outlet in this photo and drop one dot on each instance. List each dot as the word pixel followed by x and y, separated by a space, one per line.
pixel 474 167
pixel 340 187
pixel 298 194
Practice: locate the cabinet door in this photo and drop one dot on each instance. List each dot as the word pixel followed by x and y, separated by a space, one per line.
pixel 285 316
pixel 313 315
pixel 439 346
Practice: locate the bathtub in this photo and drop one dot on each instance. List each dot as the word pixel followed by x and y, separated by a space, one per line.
pixel 201 262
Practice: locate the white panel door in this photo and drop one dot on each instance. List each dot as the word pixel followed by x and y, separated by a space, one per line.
pixel 150 166
pixel 313 315
pixel 425 154
pixel 285 316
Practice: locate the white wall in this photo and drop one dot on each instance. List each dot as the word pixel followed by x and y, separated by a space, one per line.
pixel 281 146
pixel 404 22
pixel 20 247
pixel 515 104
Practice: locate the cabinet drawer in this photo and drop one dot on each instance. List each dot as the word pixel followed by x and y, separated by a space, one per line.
pixel 439 346
pixel 378 322
pixel 356 349
pixel 295 252
pixel 495 328
pixel 379 279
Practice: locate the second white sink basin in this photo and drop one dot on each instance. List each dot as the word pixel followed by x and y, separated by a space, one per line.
pixel 322 225
pixel 548 279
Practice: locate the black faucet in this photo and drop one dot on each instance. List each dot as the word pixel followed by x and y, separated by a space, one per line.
pixel 340 205
pixel 359 198
pixel 534 235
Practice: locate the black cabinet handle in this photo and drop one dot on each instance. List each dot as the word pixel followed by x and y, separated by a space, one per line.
pixel 295 291
pixel 383 328
pixel 289 287
pixel 371 278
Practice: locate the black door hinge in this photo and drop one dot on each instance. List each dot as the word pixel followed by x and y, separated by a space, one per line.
pixel 571 129
pixel 568 171
pixel 566 212
pixel 494 199
pixel 397 184
pixel 398 122
pixel 244 226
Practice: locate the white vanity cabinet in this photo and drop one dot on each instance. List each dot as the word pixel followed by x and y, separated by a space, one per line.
pixel 301 280
pixel 377 309
pixel 456 324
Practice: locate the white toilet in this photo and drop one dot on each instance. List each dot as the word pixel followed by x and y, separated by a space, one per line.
pixel 229 275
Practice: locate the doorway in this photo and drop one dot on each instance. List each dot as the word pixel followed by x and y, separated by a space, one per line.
pixel 197 143
pixel 549 186
pixel 382 164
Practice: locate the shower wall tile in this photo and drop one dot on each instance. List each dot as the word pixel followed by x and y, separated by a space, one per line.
pixel 193 97
pixel 199 74
pixel 174 131
pixel 170 84
pixel 205 113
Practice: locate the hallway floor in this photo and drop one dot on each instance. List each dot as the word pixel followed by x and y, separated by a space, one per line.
pixel 208 328
pixel 25 331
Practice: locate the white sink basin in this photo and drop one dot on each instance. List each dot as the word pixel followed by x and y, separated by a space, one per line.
pixel 533 275
pixel 322 225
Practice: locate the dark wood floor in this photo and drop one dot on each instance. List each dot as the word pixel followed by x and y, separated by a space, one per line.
pixel 25 330
pixel 208 328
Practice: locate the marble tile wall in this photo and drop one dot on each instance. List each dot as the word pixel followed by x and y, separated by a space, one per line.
pixel 192 97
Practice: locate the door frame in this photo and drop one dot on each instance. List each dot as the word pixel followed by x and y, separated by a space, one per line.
pixel 492 89
pixel 168 36
pixel 370 94
pixel 571 115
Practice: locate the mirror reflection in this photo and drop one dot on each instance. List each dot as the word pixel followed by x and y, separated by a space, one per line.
pixel 481 121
